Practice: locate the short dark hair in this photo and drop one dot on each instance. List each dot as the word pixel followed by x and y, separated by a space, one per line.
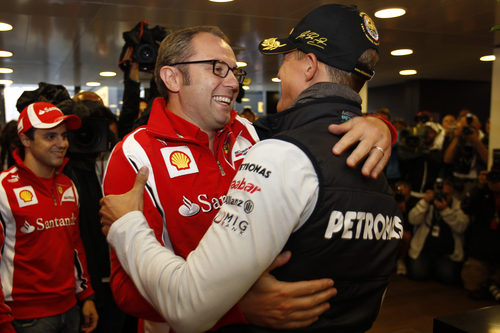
pixel 176 47
pixel 368 60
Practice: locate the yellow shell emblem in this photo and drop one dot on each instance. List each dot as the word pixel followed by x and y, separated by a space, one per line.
pixel 59 189
pixel 180 160
pixel 26 195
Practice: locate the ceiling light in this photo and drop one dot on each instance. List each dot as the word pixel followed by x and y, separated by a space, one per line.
pixel 6 82
pixel 408 72
pixel 4 70
pixel 107 73
pixel 221 0
pixel 245 99
pixel 401 52
pixel 275 79
pixel 246 87
pixel 93 84
pixel 390 12
pixel 5 26
pixel 488 58
pixel 241 64
pixel 5 54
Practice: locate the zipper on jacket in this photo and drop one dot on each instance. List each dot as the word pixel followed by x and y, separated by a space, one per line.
pixel 221 169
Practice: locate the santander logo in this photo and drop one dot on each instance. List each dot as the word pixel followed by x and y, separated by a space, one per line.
pixel 189 208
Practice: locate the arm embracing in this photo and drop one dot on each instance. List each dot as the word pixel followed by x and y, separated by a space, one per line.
pixel 193 294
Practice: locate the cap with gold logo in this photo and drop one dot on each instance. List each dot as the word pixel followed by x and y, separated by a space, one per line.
pixel 336 34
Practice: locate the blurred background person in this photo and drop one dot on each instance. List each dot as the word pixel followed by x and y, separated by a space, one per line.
pixel 420 156
pixel 481 270
pixel 402 193
pixel 249 114
pixel 449 124
pixel 436 248
pixel 467 154
pixel 9 141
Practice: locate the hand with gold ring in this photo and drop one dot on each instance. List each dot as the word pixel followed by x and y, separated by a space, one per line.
pixel 367 133
pixel 380 149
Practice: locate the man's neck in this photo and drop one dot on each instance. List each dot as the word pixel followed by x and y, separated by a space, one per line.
pixel 177 110
pixel 38 169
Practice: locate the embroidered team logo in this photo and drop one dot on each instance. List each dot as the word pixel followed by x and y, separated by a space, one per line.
pixel 369 28
pixel 27 228
pixel 271 44
pixel 179 161
pixel 13 179
pixel 25 196
pixel 68 195
pixel 188 208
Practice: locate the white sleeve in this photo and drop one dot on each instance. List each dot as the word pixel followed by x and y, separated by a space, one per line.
pixel 273 193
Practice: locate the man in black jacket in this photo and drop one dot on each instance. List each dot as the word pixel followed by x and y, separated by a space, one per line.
pixel 290 192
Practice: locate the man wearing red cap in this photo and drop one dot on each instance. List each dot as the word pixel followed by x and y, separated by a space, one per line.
pixel 43 266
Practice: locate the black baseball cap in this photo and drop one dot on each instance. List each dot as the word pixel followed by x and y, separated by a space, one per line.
pixel 336 34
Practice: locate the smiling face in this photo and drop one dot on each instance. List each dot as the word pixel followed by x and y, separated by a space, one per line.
pixel 207 99
pixel 46 151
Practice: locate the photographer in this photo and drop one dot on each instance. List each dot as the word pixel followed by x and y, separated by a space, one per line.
pixel 402 194
pixel 481 271
pixel 466 154
pixel 420 156
pixel 138 54
pixel 436 249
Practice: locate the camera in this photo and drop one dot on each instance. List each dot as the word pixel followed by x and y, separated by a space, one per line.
pixel 91 137
pixel 438 186
pixel 142 43
pixel 94 135
pixel 468 130
pixel 494 174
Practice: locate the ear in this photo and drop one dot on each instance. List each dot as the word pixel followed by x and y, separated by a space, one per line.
pixel 312 66
pixel 25 141
pixel 171 77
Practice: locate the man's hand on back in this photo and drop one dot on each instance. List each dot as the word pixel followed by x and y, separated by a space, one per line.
pixel 286 305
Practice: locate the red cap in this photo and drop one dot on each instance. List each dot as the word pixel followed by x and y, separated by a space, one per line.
pixel 43 115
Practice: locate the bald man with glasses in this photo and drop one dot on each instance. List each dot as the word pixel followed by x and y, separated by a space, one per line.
pixel 193 145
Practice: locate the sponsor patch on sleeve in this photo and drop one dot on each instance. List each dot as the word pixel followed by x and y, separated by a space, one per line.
pixel 179 161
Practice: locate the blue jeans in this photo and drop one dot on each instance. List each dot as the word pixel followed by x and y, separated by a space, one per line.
pixel 67 322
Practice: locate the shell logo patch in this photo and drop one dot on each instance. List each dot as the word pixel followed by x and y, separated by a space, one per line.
pixel 271 44
pixel 25 196
pixel 369 28
pixel 179 161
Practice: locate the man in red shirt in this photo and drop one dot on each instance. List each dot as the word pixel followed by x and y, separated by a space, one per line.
pixel 43 266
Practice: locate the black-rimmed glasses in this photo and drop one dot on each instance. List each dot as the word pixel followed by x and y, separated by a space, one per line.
pixel 219 68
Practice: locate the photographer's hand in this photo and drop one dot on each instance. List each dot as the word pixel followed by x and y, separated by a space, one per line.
pixel 441 204
pixel 429 196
